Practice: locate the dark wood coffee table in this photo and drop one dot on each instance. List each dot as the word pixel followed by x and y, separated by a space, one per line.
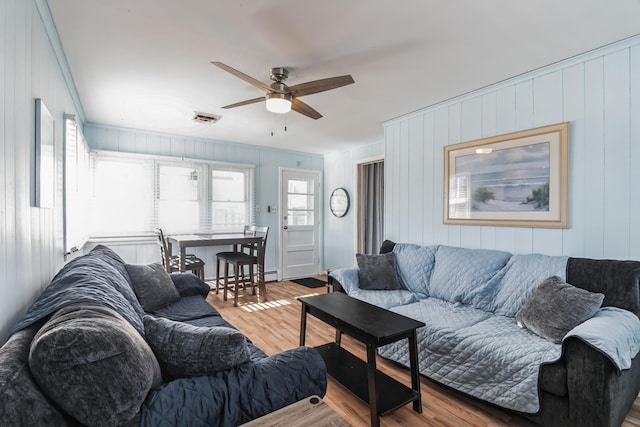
pixel 373 326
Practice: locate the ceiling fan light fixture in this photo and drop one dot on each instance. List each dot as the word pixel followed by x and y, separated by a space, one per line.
pixel 279 103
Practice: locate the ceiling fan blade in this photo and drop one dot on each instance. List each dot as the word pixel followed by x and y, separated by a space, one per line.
pixel 243 76
pixel 321 85
pixel 247 102
pixel 305 109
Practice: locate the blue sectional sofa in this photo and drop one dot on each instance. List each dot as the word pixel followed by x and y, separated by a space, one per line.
pixel 553 338
pixel 108 343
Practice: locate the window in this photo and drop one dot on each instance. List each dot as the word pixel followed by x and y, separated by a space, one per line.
pixel 76 186
pixel 229 198
pixel 132 194
pixel 122 196
pixel 178 198
pixel 301 196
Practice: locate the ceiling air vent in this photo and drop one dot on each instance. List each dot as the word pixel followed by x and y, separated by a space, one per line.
pixel 205 118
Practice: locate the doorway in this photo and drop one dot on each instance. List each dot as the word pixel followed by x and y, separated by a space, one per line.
pixel 370 228
pixel 299 223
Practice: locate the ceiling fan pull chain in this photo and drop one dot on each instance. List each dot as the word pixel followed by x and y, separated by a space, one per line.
pixel 285 123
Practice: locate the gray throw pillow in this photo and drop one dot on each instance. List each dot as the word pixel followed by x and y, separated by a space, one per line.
pixel 153 286
pixel 185 350
pixel 556 307
pixel 378 272
pixel 91 362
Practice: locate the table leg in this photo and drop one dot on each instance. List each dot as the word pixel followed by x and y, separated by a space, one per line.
pixel 338 336
pixel 371 377
pixel 303 324
pixel 415 372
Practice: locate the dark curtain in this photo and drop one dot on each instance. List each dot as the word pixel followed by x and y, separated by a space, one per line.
pixel 373 206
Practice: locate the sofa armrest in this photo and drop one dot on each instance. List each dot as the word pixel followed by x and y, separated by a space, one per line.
pixel 612 331
pixel 238 395
pixel 345 279
pixel 599 394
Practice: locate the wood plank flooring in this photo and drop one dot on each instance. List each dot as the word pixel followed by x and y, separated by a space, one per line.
pixel 275 326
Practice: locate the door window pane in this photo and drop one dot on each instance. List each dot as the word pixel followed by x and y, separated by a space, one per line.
pixel 297 201
pixel 300 186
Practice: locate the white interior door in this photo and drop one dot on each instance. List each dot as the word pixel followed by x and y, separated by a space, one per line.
pixel 300 223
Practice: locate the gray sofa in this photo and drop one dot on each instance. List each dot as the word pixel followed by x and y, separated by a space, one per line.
pixel 108 344
pixel 507 329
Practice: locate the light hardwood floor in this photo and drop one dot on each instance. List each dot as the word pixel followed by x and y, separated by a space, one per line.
pixel 275 326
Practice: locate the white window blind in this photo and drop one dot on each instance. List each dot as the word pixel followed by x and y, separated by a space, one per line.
pixel 76 186
pixel 231 198
pixel 132 194
pixel 178 198
pixel 122 196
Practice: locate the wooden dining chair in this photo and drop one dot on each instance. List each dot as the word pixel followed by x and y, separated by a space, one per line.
pixel 242 256
pixel 171 263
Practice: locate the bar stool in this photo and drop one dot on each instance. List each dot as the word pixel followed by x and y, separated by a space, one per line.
pixel 240 259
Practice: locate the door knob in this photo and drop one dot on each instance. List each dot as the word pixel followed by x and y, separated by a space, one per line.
pixel 285 227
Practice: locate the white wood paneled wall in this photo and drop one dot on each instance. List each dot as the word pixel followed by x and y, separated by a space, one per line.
pixel 31 249
pixel 599 93
pixel 267 161
pixel 340 171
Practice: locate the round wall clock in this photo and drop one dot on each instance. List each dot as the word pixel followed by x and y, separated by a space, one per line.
pixel 339 202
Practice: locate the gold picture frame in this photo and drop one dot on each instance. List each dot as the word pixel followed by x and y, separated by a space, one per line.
pixel 520 179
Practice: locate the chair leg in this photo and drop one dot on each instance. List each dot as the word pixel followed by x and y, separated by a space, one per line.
pixel 226 281
pixel 251 277
pixel 236 286
pixel 217 274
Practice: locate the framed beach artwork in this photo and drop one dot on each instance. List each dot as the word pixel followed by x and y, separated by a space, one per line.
pixel 519 179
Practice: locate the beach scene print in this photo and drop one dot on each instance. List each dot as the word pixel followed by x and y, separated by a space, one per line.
pixel 506 180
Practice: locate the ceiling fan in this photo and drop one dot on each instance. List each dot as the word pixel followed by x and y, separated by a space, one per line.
pixel 281 98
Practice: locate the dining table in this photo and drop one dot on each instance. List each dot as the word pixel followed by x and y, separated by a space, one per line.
pixel 184 241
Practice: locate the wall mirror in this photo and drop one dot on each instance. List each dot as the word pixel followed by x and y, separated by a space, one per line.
pixel 339 202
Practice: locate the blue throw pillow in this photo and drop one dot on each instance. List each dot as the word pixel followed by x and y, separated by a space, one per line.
pixel 188 285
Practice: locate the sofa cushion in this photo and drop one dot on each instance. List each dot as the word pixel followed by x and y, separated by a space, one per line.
pixel 378 272
pixel 415 264
pixel 185 350
pixel 187 308
pixel 153 286
pixel 22 403
pixel 520 277
pixel 556 307
pixel 464 275
pixel 93 364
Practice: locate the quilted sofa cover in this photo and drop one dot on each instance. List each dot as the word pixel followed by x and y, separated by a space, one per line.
pixel 468 300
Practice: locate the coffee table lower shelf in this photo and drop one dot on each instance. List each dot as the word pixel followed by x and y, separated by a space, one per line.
pixel 351 372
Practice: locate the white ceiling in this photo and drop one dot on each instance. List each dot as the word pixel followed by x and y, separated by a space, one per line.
pixel 145 64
